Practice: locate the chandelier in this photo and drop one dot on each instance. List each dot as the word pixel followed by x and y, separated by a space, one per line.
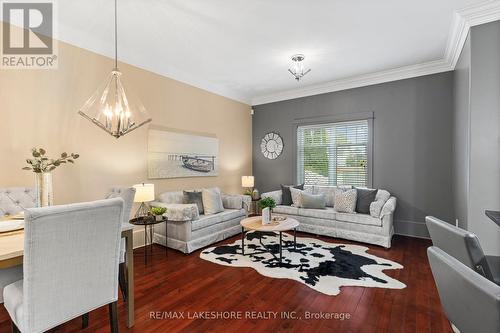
pixel 297 67
pixel 111 108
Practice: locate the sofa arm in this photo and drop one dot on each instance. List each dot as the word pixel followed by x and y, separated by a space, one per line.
pixel 276 195
pixel 179 212
pixel 389 207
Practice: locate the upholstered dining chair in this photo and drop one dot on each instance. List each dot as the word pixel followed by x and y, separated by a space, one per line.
pixel 71 257
pixel 127 194
pixel 463 246
pixel 14 200
pixel 471 301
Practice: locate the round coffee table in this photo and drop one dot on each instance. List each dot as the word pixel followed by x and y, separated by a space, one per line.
pixel 255 224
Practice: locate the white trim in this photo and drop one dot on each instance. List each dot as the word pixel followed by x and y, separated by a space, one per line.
pixel 465 18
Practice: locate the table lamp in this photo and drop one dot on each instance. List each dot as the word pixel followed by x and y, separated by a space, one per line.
pixel 144 193
pixel 248 183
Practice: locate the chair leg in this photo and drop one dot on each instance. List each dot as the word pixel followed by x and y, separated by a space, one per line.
pixel 14 328
pixel 122 280
pixel 85 320
pixel 113 317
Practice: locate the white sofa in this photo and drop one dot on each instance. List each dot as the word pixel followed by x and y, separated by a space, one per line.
pixel 188 231
pixel 374 228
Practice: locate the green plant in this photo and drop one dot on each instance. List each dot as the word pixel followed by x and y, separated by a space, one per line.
pixel 158 210
pixel 248 192
pixel 41 163
pixel 267 202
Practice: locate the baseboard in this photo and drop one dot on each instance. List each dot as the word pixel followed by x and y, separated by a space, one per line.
pixel 411 229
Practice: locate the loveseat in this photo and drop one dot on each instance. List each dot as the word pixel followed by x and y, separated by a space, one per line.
pixel 374 228
pixel 189 231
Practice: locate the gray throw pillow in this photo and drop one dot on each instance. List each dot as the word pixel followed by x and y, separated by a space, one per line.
pixel 286 195
pixel 364 199
pixel 193 197
pixel 313 201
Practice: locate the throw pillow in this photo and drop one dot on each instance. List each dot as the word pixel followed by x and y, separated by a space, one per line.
pixel 286 196
pixel 232 201
pixel 380 200
pixel 193 197
pixel 329 193
pixel 212 201
pixel 312 201
pixel 364 199
pixel 296 195
pixel 345 201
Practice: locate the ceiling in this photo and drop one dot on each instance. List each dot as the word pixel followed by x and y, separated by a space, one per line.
pixel 241 48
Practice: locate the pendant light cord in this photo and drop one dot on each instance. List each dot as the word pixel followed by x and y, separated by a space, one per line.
pixel 116 36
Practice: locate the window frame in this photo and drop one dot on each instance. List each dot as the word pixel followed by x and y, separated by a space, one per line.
pixel 320 120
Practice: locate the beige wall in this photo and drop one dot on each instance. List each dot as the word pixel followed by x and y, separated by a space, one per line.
pixel 39 108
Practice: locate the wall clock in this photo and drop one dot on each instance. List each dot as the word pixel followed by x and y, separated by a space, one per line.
pixel 271 145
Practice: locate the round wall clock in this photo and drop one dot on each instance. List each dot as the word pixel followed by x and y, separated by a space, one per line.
pixel 271 145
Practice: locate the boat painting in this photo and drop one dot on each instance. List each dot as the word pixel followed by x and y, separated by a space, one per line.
pixel 176 155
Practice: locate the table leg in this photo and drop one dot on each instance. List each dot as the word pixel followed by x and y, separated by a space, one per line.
pixel 129 243
pixel 151 233
pixel 281 247
pixel 145 244
pixel 243 241
pixel 295 238
pixel 166 237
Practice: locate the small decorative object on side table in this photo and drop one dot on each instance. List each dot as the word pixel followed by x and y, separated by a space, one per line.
pixel 150 221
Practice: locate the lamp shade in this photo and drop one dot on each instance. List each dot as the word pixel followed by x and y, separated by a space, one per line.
pixel 247 181
pixel 144 192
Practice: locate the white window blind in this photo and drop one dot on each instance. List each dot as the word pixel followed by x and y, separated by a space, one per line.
pixel 333 154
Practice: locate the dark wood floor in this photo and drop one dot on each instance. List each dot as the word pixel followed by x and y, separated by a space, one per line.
pixel 185 283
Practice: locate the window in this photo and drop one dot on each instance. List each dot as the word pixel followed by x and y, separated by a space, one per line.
pixel 333 154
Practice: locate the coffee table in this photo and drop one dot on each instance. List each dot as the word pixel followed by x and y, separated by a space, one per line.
pixel 255 224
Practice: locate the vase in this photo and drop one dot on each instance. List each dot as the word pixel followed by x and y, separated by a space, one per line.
pixel 43 187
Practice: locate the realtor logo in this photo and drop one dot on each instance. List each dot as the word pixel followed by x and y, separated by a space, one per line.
pixel 28 35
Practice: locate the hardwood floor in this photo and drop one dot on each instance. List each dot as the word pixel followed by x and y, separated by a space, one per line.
pixel 180 283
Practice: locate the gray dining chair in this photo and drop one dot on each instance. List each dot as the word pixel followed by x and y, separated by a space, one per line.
pixel 127 194
pixel 71 257
pixel 471 301
pixel 463 246
pixel 14 200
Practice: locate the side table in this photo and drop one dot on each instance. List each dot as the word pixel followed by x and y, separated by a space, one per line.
pixel 150 221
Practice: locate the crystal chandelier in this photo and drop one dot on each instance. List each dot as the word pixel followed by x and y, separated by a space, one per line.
pixel 111 107
pixel 297 67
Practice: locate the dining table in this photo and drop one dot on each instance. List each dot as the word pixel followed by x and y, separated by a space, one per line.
pixel 12 250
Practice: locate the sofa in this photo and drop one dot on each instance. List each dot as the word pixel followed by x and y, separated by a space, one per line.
pixel 374 228
pixel 189 231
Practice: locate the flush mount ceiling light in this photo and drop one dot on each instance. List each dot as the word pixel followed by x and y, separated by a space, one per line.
pixel 111 107
pixel 297 68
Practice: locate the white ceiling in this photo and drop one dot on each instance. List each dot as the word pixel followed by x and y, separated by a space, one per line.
pixel 241 48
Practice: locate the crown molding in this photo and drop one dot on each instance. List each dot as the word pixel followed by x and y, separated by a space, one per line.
pixel 463 20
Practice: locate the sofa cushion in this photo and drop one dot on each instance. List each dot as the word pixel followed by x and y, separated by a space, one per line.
pixel 289 210
pixel 326 214
pixel 232 201
pixel 358 218
pixel 345 201
pixel 312 201
pixel 193 197
pixel 286 196
pixel 209 220
pixel 364 198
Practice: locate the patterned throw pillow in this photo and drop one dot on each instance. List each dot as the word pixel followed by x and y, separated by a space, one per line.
pixel 286 196
pixel 345 201
pixel 296 196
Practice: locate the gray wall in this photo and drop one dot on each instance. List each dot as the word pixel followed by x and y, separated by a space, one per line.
pixel 461 136
pixel 412 142
pixel 484 187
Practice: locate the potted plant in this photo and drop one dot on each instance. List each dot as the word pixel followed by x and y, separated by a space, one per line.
pixel 267 203
pixel 43 166
pixel 158 212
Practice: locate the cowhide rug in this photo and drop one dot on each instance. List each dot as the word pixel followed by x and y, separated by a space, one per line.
pixel 323 266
